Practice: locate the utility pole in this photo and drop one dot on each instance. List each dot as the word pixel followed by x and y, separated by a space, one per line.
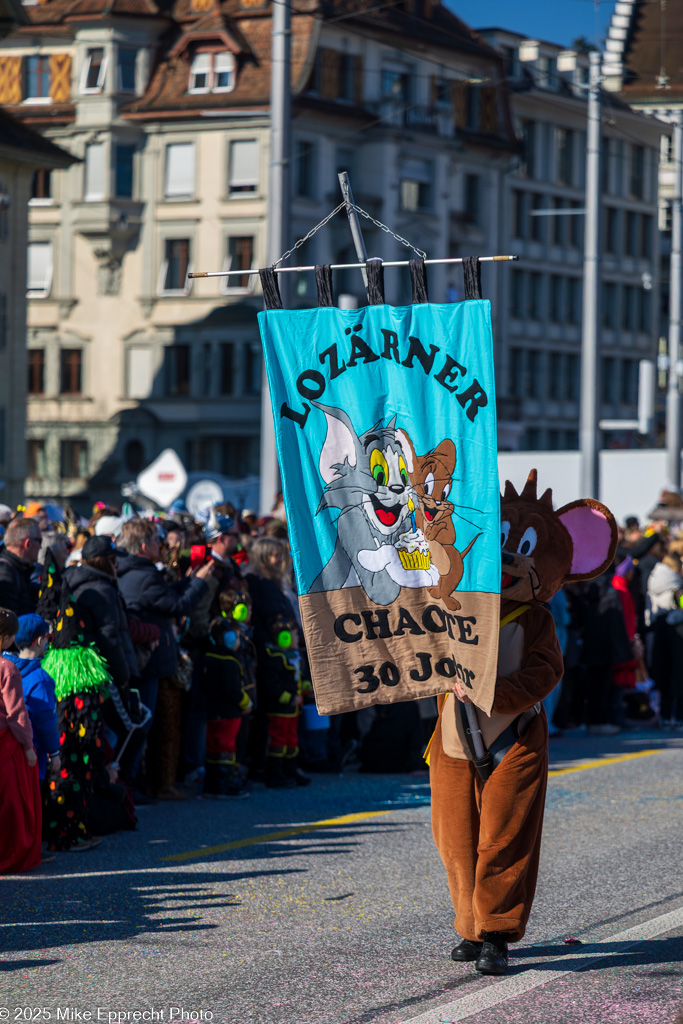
pixel 589 435
pixel 278 219
pixel 673 396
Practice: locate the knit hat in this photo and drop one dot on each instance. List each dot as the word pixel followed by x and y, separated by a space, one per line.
pixel 5 514
pixel 31 627
pixel 217 525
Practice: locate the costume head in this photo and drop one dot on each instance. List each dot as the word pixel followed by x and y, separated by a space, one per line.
pixel 543 549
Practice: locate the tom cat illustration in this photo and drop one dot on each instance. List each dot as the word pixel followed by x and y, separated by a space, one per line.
pixel 378 543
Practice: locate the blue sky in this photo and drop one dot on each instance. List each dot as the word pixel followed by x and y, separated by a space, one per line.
pixel 557 21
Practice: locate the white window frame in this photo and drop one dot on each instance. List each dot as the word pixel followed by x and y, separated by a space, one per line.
pixel 199 59
pixel 35 100
pixel 41 293
pixel 163 268
pixel 255 182
pixel 101 78
pixel 208 62
pixel 176 195
pixel 223 56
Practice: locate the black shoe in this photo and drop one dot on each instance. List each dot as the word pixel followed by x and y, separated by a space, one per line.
pixel 493 958
pixel 466 951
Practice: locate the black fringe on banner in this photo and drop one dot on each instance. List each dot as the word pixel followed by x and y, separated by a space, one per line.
pixel 375 272
pixel 472 271
pixel 418 281
pixel 323 282
pixel 271 290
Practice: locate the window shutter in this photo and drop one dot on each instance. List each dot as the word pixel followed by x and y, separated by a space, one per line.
pixel 358 79
pixel 60 77
pixel 179 169
pixel 39 266
pixel 330 61
pixel 459 103
pixel 96 183
pixel 243 163
pixel 10 79
pixel 488 109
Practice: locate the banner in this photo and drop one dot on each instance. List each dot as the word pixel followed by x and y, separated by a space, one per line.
pixel 385 423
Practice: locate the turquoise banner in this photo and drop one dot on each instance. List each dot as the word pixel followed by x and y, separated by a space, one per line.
pixel 385 422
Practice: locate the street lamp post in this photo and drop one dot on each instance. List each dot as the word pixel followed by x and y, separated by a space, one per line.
pixel 673 395
pixel 589 435
pixel 278 220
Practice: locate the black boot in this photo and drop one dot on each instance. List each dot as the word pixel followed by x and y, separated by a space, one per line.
pixel 466 951
pixel 493 958
pixel 275 777
pixel 294 773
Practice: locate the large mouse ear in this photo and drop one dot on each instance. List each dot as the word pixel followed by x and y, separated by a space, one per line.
pixel 593 531
pixel 340 443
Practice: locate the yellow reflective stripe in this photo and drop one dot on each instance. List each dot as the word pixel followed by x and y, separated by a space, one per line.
pixel 511 616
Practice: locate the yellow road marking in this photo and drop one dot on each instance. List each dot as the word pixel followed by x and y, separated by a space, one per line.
pixel 267 837
pixel 603 762
pixel 349 819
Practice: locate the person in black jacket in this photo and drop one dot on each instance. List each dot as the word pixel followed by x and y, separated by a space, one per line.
pixel 151 598
pixel 223 683
pixel 17 558
pixel 97 601
pixel 605 645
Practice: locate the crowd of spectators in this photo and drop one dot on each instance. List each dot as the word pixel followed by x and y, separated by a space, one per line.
pixel 159 658
pixel 150 658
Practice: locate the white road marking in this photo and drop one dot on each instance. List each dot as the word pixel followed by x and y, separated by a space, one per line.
pixel 509 988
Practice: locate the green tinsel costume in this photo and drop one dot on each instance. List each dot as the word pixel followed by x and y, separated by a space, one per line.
pixel 81 676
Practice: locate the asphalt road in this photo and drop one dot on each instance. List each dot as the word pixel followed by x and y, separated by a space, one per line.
pixel 242 913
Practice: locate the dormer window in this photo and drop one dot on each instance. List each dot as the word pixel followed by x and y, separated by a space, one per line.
pixel 212 72
pixel 94 70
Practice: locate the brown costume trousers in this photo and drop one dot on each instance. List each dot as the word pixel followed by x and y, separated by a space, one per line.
pixel 489 834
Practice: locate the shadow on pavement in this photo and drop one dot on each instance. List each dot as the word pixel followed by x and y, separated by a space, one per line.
pixel 650 952
pixel 578 745
pixel 602 956
pixel 89 910
pixel 25 965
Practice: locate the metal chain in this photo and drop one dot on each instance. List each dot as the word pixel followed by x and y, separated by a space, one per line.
pixel 297 245
pixel 378 224
pixel 363 213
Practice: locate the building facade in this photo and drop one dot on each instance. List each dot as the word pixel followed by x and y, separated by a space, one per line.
pixel 642 66
pixel 167 110
pixel 542 202
pixel 24 156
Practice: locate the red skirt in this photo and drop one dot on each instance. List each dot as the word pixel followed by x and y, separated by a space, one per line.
pixel 20 810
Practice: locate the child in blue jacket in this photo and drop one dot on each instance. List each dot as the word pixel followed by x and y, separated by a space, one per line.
pixel 39 689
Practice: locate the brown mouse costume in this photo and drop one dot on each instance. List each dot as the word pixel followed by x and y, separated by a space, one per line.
pixel 489 833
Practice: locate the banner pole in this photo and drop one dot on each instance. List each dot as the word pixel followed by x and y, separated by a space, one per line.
pixel 354 223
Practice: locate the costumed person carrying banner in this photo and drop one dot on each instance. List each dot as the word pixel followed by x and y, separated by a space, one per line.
pixel 386 434
pixel 487 807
